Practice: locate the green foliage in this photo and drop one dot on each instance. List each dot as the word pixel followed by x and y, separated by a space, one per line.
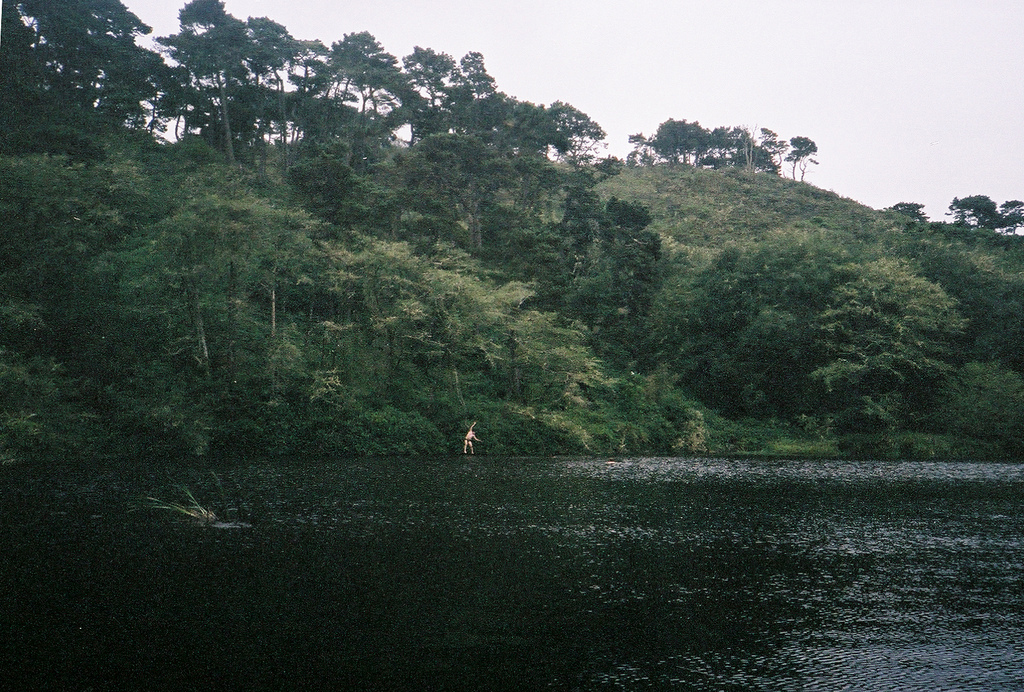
pixel 618 274
pixel 680 142
pixel 988 288
pixel 976 210
pixel 329 187
pixel 910 210
pixel 289 277
pixel 800 154
pixel 712 208
pixel 69 69
pixel 980 211
pixel 741 331
pixel 384 430
pixel 985 401
pixel 887 333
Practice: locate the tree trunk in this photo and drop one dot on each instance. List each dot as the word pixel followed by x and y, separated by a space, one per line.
pixel 284 123
pixel 229 148
pixel 458 388
pixel 202 349
pixel 515 369
pixel 476 237
pixel 232 317
pixel 273 309
pixel 748 151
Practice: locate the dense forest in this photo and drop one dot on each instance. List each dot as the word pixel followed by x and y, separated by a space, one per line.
pixel 243 243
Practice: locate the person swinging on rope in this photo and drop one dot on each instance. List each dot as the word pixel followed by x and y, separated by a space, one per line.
pixel 467 444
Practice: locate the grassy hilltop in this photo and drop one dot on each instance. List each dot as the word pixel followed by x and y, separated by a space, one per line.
pixel 711 207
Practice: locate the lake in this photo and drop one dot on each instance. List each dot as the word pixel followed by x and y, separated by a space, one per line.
pixel 516 574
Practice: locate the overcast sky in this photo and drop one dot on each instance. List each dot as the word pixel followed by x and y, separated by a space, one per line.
pixel 907 100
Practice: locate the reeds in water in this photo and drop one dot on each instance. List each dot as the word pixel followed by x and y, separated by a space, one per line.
pixel 201 514
pixel 190 508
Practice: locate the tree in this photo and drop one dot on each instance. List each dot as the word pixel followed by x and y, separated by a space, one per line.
pixel 985 401
pixel 64 336
pixel 272 51
pixel 328 185
pixel 478 108
pixel 579 136
pixel 989 294
pixel 530 131
pixel 980 211
pixel 212 45
pixel 887 332
pixel 473 77
pixel 432 76
pixel 731 146
pixel 307 101
pixel 453 178
pixel 620 272
pixel 741 330
pixel 367 76
pixel 678 141
pixel 68 69
pixel 431 326
pixel 976 211
pixel 774 148
pixel 1012 216
pixel 643 153
pixel 911 210
pixel 802 149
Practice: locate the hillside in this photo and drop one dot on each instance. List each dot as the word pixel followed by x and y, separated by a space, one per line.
pixel 281 273
pixel 762 316
pixel 710 207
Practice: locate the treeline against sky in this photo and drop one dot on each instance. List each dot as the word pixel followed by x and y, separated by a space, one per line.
pixel 254 244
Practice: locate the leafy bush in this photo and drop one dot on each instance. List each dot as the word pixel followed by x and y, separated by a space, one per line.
pixel 985 401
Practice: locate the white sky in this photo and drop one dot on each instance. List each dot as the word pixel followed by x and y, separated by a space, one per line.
pixel 907 100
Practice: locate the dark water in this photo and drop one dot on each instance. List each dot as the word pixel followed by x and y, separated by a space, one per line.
pixel 525 574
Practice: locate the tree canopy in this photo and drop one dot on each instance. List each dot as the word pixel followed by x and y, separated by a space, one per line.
pixel 678 142
pixel 980 211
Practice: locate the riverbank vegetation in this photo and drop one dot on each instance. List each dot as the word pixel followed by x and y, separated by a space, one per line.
pixel 252 244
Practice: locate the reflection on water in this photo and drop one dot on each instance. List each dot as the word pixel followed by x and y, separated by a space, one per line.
pixel 518 574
